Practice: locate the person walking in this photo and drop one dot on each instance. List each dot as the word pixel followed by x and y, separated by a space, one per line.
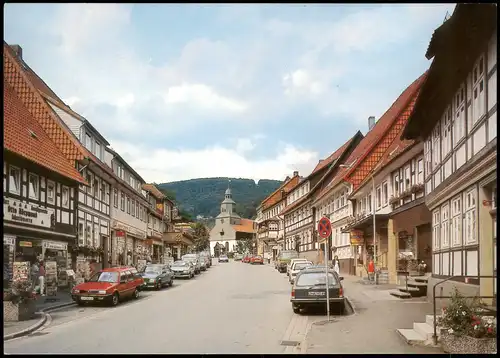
pixel 41 278
pixel 371 270
pixel 336 265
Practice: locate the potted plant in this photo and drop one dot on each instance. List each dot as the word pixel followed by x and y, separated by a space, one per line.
pixel 394 200
pixel 405 194
pixel 463 331
pixel 417 188
pixel 19 302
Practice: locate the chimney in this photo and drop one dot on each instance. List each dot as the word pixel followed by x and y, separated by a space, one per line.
pixel 295 173
pixel 371 123
pixel 18 50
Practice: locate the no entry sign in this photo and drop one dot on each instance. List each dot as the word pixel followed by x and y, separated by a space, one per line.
pixel 324 227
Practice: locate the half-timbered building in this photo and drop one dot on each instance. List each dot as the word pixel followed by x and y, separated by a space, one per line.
pixel 270 223
pixel 300 214
pixel 156 221
pixel 352 249
pixel 39 192
pixel 456 117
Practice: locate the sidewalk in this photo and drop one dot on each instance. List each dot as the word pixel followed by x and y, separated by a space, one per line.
pixel 372 329
pixel 43 303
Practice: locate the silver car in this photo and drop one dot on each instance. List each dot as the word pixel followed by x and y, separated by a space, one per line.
pixel 195 260
pixel 182 269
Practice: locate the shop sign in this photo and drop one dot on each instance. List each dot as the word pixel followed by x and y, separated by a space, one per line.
pixel 357 237
pixel 15 210
pixel 159 208
pixel 25 244
pixel 9 240
pixel 119 233
pixel 149 242
pixel 54 245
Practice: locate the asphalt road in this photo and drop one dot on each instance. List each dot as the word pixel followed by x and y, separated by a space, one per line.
pixel 231 308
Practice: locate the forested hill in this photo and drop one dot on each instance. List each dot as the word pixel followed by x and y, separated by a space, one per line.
pixel 204 196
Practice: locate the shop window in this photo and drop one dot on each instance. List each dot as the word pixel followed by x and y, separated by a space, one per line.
pixel 115 197
pixel 470 217
pixel 14 180
pixel 51 192
pixel 65 197
pixel 122 201
pixel 34 192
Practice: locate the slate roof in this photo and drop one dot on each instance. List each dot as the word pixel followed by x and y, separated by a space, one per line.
pixel 24 136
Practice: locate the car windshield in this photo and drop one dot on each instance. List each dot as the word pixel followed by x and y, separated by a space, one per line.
pixel 179 264
pixel 289 254
pixel 105 276
pixel 302 265
pixel 153 270
pixel 315 279
pixel 258 257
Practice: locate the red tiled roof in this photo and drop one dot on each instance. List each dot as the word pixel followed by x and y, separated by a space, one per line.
pixel 275 196
pixel 153 190
pixel 24 136
pixel 334 156
pixel 246 225
pixel 374 136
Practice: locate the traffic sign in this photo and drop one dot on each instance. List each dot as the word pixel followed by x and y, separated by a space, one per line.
pixel 324 227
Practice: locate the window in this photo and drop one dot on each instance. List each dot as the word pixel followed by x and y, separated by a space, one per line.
pixel 14 180
pixel 445 226
pixel 121 172
pixel 88 142
pixel 407 181
pixel 133 208
pixel 470 217
pixel 51 195
pixel 379 197
pixel 81 232
pixel 97 150
pixel 385 193
pixel 90 181
pixel 436 229
pixel 396 185
pixel 96 187
pixel 115 197
pixel 446 146
pixel 420 171
pixel 369 203
pixel 65 197
pixel 137 210
pixel 122 201
pixel 436 146
pixel 132 182
pixel 459 115
pixel 478 95
pixel 428 157
pixel 128 205
pixel 103 191
pixel 34 192
pixel 456 222
pixel 88 233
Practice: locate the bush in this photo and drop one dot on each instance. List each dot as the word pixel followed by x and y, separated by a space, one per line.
pixel 19 291
pixel 461 318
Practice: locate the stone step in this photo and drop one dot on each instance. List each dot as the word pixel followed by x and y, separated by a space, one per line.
pixel 424 279
pixel 411 336
pixel 413 291
pixel 423 329
pixel 400 294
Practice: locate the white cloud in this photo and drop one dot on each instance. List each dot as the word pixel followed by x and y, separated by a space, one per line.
pixel 301 82
pixel 71 101
pixel 163 165
pixel 203 97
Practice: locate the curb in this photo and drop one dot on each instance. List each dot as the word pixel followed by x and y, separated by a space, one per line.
pixel 37 325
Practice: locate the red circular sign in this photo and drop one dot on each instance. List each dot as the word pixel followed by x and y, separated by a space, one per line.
pixel 324 227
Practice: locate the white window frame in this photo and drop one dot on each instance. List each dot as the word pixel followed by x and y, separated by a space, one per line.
pixel 122 201
pixel 445 226
pixel 97 149
pixel 446 132
pixel 420 171
pixel 407 179
pixel 379 197
pixel 13 178
pixel 132 209
pixel 65 197
pixel 436 229
pixel 436 145
pixel 459 115
pixel 478 90
pixel 81 231
pixel 51 199
pixel 395 184
pixel 385 193
pixel 470 218
pixel 456 221
pixel 428 158
pixel 115 197
pixel 88 141
pixel 33 190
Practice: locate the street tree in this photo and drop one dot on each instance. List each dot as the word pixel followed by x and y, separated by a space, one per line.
pixel 244 245
pixel 201 237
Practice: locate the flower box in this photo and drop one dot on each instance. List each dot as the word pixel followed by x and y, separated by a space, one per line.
pixel 417 188
pixel 19 311
pixel 394 200
pixel 467 345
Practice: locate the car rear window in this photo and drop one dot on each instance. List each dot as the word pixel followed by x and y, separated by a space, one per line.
pixel 289 254
pixel 301 265
pixel 315 278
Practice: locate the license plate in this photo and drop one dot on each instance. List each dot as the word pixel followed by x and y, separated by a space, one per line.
pixel 87 298
pixel 317 293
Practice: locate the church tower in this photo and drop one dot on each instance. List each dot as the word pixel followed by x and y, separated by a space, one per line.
pixel 227 207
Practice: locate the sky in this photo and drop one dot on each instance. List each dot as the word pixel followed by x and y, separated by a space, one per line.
pixel 251 91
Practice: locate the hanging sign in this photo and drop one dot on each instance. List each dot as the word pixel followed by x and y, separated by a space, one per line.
pixel 23 213
pixel 54 245
pixel 357 237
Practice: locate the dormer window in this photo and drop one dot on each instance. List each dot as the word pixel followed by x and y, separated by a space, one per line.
pixel 88 142
pixel 98 150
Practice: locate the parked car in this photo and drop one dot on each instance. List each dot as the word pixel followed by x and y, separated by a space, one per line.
pixel 183 269
pixel 296 267
pixel 284 258
pixel 257 259
pixel 223 258
pixel 157 276
pixel 110 285
pixel 207 258
pixel 195 260
pixel 289 265
pixel 309 289
pixel 246 259
pixel 238 257
pixel 203 264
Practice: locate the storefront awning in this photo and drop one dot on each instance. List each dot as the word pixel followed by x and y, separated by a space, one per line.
pixel 365 222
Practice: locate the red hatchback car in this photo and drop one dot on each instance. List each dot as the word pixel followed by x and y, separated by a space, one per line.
pixel 257 260
pixel 246 259
pixel 110 285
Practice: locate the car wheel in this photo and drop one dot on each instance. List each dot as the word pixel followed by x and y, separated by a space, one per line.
pixel 171 283
pixel 158 285
pixel 296 309
pixel 136 294
pixel 115 299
